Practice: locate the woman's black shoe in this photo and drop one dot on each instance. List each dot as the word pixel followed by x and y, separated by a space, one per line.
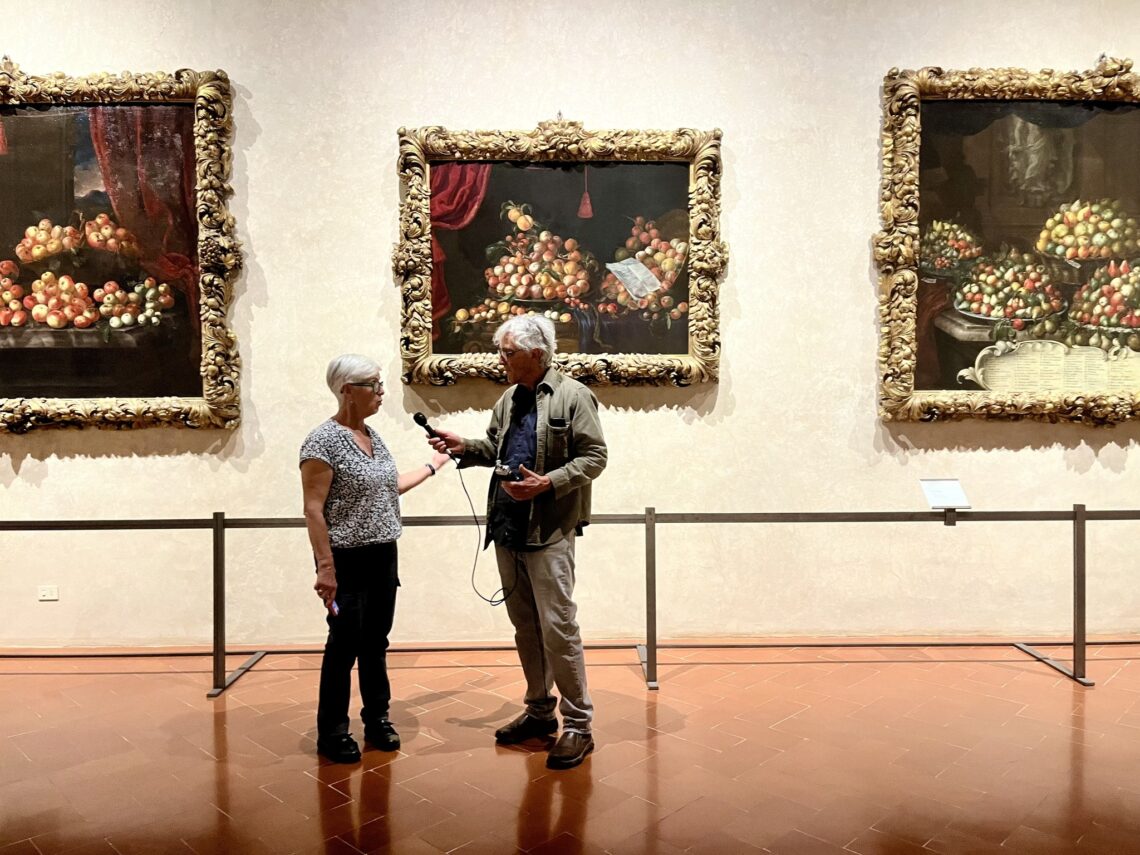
pixel 382 735
pixel 340 748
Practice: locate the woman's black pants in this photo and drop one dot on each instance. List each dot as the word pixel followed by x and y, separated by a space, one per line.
pixel 366 583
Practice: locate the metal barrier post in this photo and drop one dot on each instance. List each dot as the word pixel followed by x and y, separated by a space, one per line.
pixel 1079 518
pixel 648 652
pixel 219 603
pixel 1077 672
pixel 223 681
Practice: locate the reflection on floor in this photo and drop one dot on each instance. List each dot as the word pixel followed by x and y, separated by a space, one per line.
pixel 781 750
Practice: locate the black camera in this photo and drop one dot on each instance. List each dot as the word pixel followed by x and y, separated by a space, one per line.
pixel 507 473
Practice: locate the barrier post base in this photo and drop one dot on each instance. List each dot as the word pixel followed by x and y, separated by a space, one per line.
pixel 643 655
pixel 233 678
pixel 1053 663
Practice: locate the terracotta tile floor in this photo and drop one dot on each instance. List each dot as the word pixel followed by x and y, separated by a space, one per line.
pixel 780 750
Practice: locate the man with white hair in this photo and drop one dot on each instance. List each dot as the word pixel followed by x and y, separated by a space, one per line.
pixel 545 442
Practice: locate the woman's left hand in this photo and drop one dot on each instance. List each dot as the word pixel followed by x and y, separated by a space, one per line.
pixel 530 486
pixel 440 460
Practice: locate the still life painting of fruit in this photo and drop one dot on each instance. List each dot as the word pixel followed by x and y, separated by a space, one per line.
pixel 600 248
pixel 98 252
pixel 1029 225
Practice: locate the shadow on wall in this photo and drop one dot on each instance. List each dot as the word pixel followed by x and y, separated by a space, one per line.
pixel 706 401
pixel 1085 447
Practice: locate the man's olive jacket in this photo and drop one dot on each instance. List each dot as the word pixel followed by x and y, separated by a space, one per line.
pixel 570 450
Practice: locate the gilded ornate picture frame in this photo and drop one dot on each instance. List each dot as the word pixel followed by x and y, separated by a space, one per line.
pixel 1010 207
pixel 117 251
pixel 614 235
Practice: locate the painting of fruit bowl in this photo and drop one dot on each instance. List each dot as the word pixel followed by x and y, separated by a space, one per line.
pixel 1014 287
pixel 1011 212
pixel 596 231
pixel 114 237
pixel 945 246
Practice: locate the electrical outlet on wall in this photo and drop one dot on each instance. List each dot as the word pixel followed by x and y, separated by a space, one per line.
pixel 48 593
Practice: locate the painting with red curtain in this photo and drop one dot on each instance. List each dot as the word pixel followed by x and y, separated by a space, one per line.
pixel 146 155
pixel 457 192
pixel 521 237
pixel 98 251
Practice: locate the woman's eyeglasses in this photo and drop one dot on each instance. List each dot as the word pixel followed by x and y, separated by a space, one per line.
pixel 377 386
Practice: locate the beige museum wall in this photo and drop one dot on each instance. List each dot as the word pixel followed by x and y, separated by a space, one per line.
pixel 321 88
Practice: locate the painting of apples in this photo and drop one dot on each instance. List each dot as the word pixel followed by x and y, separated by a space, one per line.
pixel 98 252
pixel 613 235
pixel 600 248
pixel 117 251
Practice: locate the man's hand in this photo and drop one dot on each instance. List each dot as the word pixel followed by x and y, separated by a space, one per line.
pixel 446 442
pixel 530 486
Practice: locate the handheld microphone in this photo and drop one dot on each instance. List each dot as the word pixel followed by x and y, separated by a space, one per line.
pixel 422 421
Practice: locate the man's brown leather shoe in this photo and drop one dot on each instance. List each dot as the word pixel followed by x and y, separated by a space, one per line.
pixel 570 750
pixel 525 727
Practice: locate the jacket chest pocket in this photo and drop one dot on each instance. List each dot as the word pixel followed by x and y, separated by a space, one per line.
pixel 557 442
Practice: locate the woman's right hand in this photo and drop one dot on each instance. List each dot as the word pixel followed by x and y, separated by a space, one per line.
pixel 325 586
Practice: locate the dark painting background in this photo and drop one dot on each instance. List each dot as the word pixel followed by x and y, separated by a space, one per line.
pixel 618 193
pixel 49 168
pixel 1001 169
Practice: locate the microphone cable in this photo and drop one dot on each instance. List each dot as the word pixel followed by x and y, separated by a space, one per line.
pixel 495 599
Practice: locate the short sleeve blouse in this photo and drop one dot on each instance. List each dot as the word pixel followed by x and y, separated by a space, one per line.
pixel 363 504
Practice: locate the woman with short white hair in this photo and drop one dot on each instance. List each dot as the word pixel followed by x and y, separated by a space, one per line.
pixel 352 513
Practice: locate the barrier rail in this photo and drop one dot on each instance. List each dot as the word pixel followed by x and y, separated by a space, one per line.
pixel 219 523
